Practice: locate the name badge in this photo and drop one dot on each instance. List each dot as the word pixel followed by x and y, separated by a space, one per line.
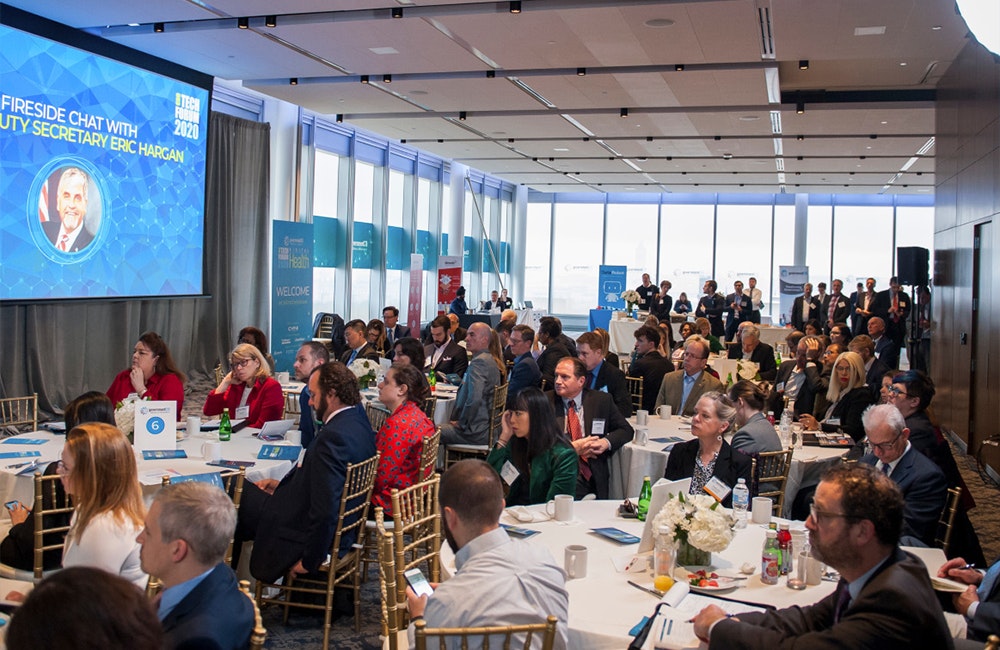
pixel 717 488
pixel 242 412
pixel 598 428
pixel 833 422
pixel 780 388
pixel 509 473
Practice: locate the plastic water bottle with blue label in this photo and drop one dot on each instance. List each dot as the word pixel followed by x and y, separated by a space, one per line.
pixel 741 502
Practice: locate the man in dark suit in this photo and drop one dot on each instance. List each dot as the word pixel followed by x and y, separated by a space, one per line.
pixel 525 372
pixel 184 542
pixel 805 308
pixel 603 376
pixel 312 354
pixel 798 379
pixel 875 369
pixel 864 307
pixel 710 306
pixel 550 335
pixel 682 388
pixel 894 307
pixel 923 484
pixel 884 598
pixel 70 233
pixel 749 348
pixel 293 521
pixel 356 334
pixel 885 348
pixel 394 330
pixel 457 332
pixel 649 364
pixel 444 355
pixel 602 432
pixel 835 307
pixel 853 306
pixel 503 330
pixel 737 309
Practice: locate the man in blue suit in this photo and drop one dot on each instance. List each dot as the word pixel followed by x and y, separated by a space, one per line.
pixel 292 522
pixel 184 541
pixel 924 486
pixel 312 354
pixel 525 372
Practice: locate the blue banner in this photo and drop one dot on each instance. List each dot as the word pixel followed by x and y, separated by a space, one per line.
pixel 291 281
pixel 328 237
pixel 611 283
pixel 397 250
pixel 363 246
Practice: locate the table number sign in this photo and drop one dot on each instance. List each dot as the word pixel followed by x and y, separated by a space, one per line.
pixel 155 425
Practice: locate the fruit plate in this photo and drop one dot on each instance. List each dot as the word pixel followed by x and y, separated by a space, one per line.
pixel 722 583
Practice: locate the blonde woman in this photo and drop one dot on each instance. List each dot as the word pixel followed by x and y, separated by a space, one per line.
pixel 848 397
pixel 248 390
pixel 97 468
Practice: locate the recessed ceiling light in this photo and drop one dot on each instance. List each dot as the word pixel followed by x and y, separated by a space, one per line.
pixel 884 122
pixel 875 30
pixel 936 28
pixel 658 22
pixel 560 149
pixel 383 50
pixel 902 63
pixel 418 92
pixel 749 118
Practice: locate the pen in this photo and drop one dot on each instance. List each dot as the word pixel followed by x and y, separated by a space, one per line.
pixel 16 465
pixel 970 565
pixel 670 627
pixel 663 628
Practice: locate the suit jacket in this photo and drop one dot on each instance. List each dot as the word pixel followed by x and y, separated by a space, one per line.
pixel 612 379
pixel 662 307
pixel 849 409
pixel 887 353
pixel 840 313
pixel 598 406
pixel 806 398
pixel 730 465
pixel 367 351
pixel 51 229
pixel 524 374
pixel 896 330
pixel 896 608
pixel 797 321
pixel 860 324
pixel 398 332
pixel 852 305
pixel 924 491
pixel 475 398
pixel 762 355
pixel 215 615
pixel 652 367
pixel 873 377
pixel 550 357
pixel 672 389
pixel 756 436
pixel 454 359
pixel 732 319
pixel 299 520
pixel 987 618
pixel 306 425
pixel 711 307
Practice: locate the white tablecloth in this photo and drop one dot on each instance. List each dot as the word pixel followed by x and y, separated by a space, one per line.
pixel 622 334
pixel 443 407
pixel 773 335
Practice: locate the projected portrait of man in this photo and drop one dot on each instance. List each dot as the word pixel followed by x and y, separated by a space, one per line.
pixel 69 234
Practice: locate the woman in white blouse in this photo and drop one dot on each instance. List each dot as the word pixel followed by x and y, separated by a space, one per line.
pixel 98 469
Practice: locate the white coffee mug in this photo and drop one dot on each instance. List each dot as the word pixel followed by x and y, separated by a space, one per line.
pixel 560 507
pixel 760 512
pixel 293 436
pixel 193 425
pixel 576 561
pixel 664 411
pixel 641 417
pixel 641 437
pixel 813 571
pixel 282 377
pixel 211 451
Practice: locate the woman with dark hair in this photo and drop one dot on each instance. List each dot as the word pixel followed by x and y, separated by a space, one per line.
pixel 153 374
pixel 813 328
pixel 683 305
pixel 258 339
pixel 92 406
pixel 409 350
pixel 840 334
pixel 400 440
pixel 376 335
pixel 529 440
pixel 755 434
pixel 248 390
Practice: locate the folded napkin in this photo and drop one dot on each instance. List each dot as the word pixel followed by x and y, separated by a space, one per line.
pixel 524 515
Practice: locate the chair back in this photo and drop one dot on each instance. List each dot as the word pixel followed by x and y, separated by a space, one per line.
pixel 354 500
pixel 992 642
pixel 769 475
pixel 429 454
pixel 943 538
pixel 231 480
pixel 392 608
pixel 16 412
pixel 258 634
pixel 324 328
pixel 624 363
pixel 52 513
pixel 635 391
pixel 218 374
pixel 376 415
pixel 430 404
pixel 496 414
pixel 544 633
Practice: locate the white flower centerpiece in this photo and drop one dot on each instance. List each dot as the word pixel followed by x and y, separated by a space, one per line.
pixel 747 370
pixel 631 298
pixel 700 525
pixel 125 415
pixel 365 370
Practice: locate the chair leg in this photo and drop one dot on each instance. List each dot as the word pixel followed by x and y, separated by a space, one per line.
pixel 288 597
pixel 327 615
pixel 357 602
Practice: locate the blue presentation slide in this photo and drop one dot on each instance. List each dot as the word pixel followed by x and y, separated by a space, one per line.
pixel 102 185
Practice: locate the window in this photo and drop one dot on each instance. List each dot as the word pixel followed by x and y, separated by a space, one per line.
pixel 538 224
pixel 364 251
pixel 784 255
pixel 631 241
pixel 820 218
pixel 862 244
pixel 576 256
pixel 743 247
pixel 686 248
pixel 327 245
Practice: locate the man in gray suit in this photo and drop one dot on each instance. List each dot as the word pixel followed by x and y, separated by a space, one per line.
pixel 682 388
pixel 475 398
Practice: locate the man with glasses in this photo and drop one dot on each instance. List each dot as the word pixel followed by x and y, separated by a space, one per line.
pixel 682 388
pixel 525 372
pixel 884 598
pixel 923 484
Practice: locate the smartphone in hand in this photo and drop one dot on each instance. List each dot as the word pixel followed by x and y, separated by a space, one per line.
pixel 418 583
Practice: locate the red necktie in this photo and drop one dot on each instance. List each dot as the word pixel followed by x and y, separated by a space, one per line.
pixel 62 242
pixel 575 433
pixel 895 307
pixel 833 307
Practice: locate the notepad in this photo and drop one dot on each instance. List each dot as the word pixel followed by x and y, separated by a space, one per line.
pixel 672 627
pixel 19 454
pixel 517 531
pixel 279 452
pixel 160 454
pixel 25 441
pixel 232 464
pixel 617 535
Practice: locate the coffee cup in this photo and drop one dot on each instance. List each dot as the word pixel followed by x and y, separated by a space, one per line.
pixel 641 437
pixel 760 512
pixel 193 425
pixel 664 411
pixel 576 561
pixel 282 377
pixel 641 417
pixel 293 436
pixel 560 507
pixel 810 569
pixel 211 451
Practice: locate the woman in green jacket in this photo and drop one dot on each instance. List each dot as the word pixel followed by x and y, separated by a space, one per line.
pixel 542 460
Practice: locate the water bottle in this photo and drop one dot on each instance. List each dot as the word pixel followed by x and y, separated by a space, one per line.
pixel 770 559
pixel 785 546
pixel 741 501
pixel 644 496
pixel 770 418
pixel 781 320
pixel 225 426
pixel 785 426
pixel 663 553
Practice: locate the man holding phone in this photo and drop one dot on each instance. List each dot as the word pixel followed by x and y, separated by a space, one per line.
pixel 499 581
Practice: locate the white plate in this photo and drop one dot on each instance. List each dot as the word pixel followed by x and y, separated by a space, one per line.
pixel 726 583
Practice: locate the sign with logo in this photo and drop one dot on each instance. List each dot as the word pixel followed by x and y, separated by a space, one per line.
pixel 155 425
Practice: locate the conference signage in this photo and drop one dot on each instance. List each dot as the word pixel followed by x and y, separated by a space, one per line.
pixel 449 279
pixel 611 283
pixel 291 282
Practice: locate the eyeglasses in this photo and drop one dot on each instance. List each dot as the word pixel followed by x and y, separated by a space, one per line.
pixel 884 446
pixel 242 363
pixel 819 515
pixel 61 467
pixel 896 392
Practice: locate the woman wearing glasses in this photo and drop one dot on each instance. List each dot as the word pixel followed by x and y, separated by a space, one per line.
pixel 152 375
pixel 848 397
pixel 248 390
pixel 97 469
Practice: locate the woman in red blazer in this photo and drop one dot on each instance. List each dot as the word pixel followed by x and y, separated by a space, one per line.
pixel 248 391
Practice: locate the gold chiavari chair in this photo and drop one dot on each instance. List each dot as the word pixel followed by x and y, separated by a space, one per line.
pixel 947 520
pixel 770 471
pixel 16 412
pixel 635 391
pixel 456 452
pixel 545 633
pixel 258 634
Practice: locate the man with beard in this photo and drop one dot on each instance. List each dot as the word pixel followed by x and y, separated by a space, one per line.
pixel 69 234
pixel 499 580
pixel 884 598
pixel 311 355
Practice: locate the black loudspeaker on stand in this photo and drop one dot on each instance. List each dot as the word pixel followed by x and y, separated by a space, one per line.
pixel 912 265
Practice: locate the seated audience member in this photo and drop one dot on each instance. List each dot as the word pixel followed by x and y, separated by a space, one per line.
pixel 883 393
pixel 400 441
pixel 592 422
pixel 840 334
pixel 709 455
pixel 848 397
pixel 550 335
pixel 609 356
pixel 493 304
pixel 704 327
pixel 686 329
pixel 875 369
pixel 18 548
pixel 188 529
pixel 375 335
pixel 603 376
pixel 827 361
pixel 505 302
pixel 471 414
pixel 884 598
pixel 751 349
pixel 813 328
pixel 410 351
pixel 980 602
pixel 253 336
pixel 248 390
pixel 153 374
pixel 683 305
pixel 83 608
pixel 755 434
pixel 455 329
pixel 311 355
pixel 499 581
pixel 922 482
pixel 292 522
pixel 444 355
pixel 682 388
pixel 458 305
pixel 798 380
pixel 649 365
pixel 358 347
pixel 885 348
pixel 525 372
pixel 529 441
pixel 98 470
pixel 394 330
pixel 503 330
pixel 509 315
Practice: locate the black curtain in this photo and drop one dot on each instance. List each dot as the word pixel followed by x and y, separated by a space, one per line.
pixel 62 349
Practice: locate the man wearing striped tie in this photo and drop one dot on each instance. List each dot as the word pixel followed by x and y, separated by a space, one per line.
pixel 69 233
pixel 884 598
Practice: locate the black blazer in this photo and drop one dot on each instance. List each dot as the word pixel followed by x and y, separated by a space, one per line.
pixel 550 357
pixel 652 367
pixel 805 400
pixel 454 359
pixel 849 409
pixel 614 379
pixel 796 315
pixel 729 466
pixel 524 375
pixel 762 355
pixel 840 314
pixel 214 615
pixel 367 351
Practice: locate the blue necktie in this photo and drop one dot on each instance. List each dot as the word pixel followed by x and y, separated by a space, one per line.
pixel 989 581
pixel 593 382
pixel 354 355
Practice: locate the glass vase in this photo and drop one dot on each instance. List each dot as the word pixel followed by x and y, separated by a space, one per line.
pixel 689 556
